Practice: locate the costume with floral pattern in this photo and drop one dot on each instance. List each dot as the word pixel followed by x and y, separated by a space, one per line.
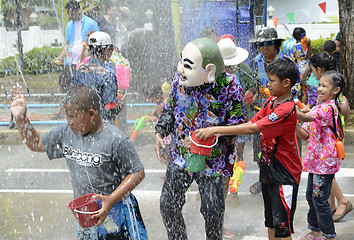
pixel 211 104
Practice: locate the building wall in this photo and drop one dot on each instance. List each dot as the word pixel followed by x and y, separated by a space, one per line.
pixel 34 37
pixel 305 11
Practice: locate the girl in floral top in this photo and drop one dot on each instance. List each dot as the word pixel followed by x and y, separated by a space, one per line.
pixel 321 161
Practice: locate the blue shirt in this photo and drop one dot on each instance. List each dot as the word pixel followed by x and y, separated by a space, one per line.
pixel 88 24
pixel 262 76
pixel 97 76
pixel 288 45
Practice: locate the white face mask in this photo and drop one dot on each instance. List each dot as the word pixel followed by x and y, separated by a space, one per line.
pixel 190 67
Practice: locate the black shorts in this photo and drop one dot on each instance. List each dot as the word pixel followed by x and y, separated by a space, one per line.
pixel 279 207
pixel 66 78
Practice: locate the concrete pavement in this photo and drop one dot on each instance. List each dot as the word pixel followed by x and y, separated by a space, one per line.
pixel 34 194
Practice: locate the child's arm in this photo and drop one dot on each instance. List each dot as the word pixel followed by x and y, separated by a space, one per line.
pixel 129 183
pixel 304 117
pixel 345 109
pixel 240 129
pixel 302 133
pixel 28 132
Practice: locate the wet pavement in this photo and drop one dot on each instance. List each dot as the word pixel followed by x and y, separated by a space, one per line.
pixel 35 192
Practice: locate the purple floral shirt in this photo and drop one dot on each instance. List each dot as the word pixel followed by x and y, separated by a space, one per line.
pixel 321 156
pixel 215 104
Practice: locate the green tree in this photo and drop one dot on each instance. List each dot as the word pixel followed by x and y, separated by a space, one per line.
pixel 346 9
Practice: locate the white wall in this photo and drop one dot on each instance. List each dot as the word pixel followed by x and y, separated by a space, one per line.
pixel 305 11
pixel 34 37
pixel 313 31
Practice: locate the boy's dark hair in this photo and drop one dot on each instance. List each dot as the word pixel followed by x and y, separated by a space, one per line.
pixel 83 97
pixel 284 68
pixel 72 5
pixel 323 60
pixel 98 51
pixel 329 46
pixel 298 32
pixel 337 80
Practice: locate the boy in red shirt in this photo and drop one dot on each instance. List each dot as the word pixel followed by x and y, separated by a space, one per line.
pixel 280 167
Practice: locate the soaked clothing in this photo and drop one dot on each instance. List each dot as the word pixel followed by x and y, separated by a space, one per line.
pixel 321 156
pixel 280 167
pixel 98 163
pixel 123 222
pixel 95 74
pixel 279 162
pixel 192 108
pixel 261 73
pixel 279 207
pixel 172 200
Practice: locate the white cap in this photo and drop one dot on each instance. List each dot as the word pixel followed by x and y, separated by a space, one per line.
pixel 231 54
pixel 99 39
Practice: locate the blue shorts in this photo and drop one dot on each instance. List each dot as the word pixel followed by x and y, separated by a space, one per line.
pixel 123 221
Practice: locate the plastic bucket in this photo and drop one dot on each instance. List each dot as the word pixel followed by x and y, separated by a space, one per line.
pixel 83 208
pixel 202 147
pixel 195 162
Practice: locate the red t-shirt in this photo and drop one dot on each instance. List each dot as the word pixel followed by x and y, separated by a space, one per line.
pixel 279 162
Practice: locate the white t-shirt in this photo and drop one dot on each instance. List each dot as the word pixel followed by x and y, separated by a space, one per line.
pixel 76 47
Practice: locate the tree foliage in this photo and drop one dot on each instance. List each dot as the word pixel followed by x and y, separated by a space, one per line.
pixel 346 9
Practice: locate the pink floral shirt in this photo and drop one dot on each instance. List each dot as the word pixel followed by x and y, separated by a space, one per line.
pixel 321 156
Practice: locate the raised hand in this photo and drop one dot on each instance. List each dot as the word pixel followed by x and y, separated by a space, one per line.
pixel 17 103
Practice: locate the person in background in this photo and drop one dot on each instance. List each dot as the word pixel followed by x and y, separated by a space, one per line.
pixel 73 52
pixel 329 47
pixel 209 32
pixel 336 55
pixel 100 158
pixel 107 23
pixel 233 60
pixel 301 53
pixel 288 46
pixel 95 74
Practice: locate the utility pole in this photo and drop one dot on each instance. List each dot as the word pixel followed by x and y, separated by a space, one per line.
pixel 19 37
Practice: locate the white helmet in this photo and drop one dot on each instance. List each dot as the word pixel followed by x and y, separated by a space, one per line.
pixel 99 39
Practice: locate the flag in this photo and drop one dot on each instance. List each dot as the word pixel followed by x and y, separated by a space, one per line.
pixel 291 17
pixel 323 6
pixel 275 21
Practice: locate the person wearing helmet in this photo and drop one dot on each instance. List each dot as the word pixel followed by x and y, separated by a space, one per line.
pixel 95 73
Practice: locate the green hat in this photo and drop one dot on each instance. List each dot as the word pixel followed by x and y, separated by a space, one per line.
pixel 267 34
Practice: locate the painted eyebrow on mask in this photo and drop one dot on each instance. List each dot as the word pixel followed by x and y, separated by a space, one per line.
pixel 188 60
